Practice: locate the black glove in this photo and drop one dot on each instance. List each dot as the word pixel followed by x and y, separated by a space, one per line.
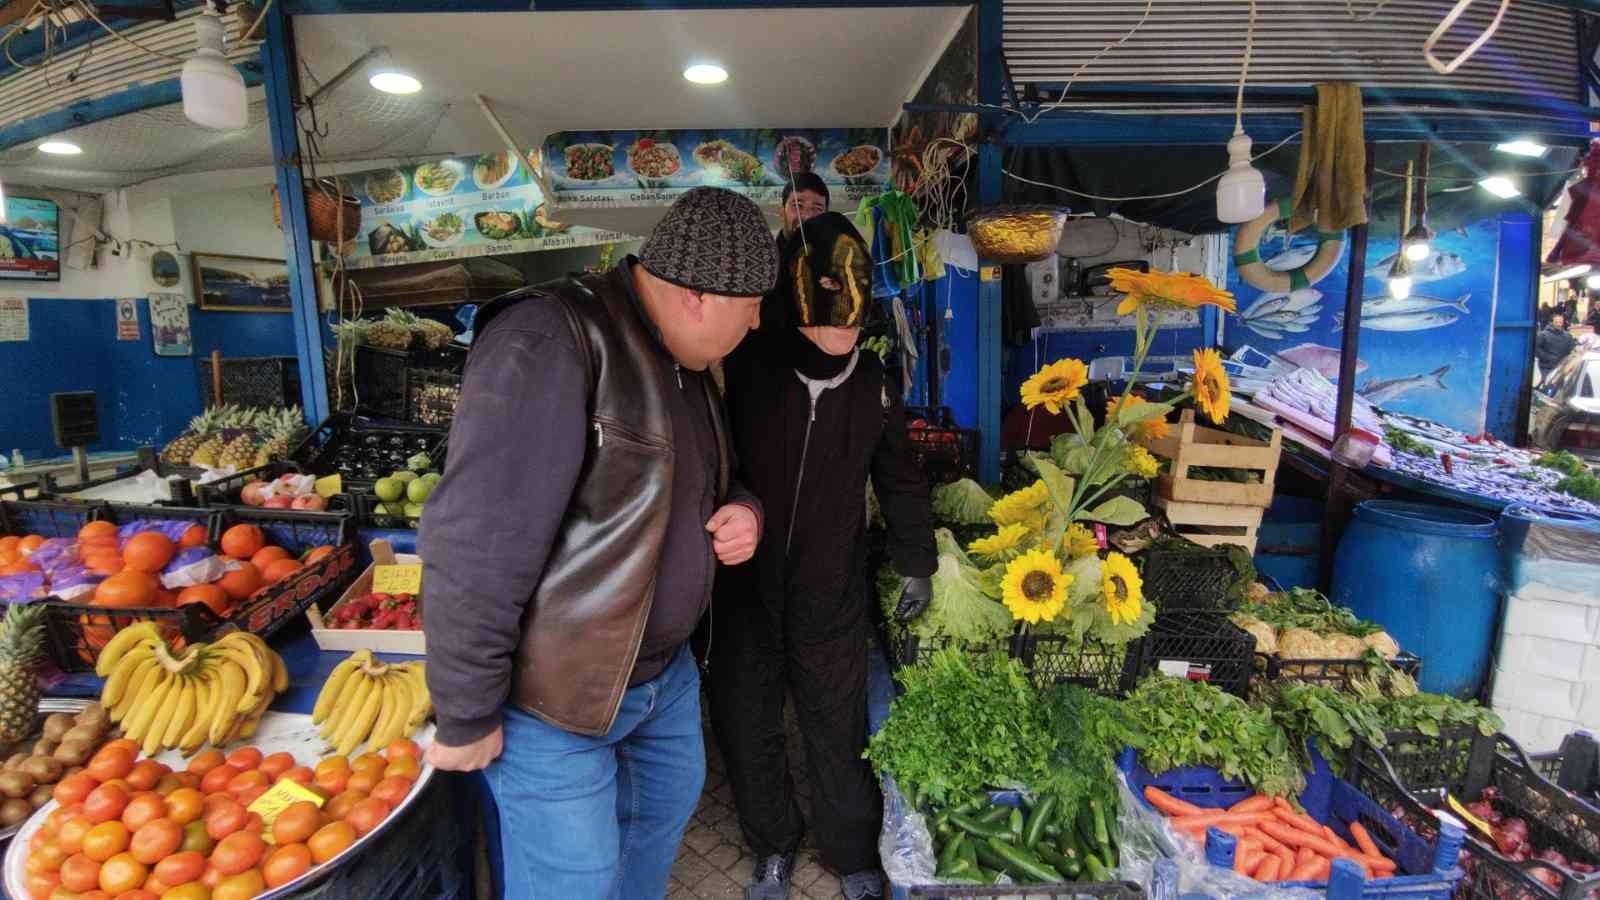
pixel 915 599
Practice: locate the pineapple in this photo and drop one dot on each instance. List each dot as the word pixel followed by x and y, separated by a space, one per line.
pixel 432 335
pixel 240 450
pixel 285 428
pixel 21 643
pixel 209 453
pixel 388 333
pixel 181 450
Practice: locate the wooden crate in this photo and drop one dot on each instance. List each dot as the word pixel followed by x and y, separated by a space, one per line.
pixel 1213 524
pixel 1189 445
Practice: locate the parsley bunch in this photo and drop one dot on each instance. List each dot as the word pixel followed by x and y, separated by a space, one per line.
pixel 1191 723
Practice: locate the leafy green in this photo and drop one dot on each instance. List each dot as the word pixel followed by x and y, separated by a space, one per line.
pixel 1118 511
pixel 1563 461
pixel 1582 485
pixel 962 502
pixel 1401 441
pixel 1190 723
pixel 1432 713
pixel 962 724
pixel 959 609
pixel 1334 720
pixel 1090 731
pixel 1308 609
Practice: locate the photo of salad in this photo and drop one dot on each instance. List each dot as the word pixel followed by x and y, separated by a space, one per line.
pixel 590 162
pixel 652 160
pixel 498 225
pixel 438 178
pixel 857 161
pixel 494 169
pixel 724 160
pixel 443 230
pixel 794 155
pixel 386 186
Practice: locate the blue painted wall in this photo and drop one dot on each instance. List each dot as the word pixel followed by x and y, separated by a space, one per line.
pixel 1511 362
pixel 953 300
pixel 1022 362
pixel 144 399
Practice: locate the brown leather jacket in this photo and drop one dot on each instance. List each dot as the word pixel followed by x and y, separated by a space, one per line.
pixel 581 631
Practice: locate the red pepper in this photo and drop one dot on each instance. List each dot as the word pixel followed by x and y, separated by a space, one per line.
pixel 1449 465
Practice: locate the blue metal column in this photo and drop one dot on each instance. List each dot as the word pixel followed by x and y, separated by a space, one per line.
pixel 1516 323
pixel 991 349
pixel 278 61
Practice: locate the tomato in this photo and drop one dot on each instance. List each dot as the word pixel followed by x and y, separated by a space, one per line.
pixel 237 852
pixel 296 822
pixel 42 885
pixel 155 840
pixel 122 873
pixel 168 783
pixel 275 765
pixel 105 803
pixel 330 841
pixel 194 890
pixel 392 790
pixel 340 806
pixel 105 841
pixel 145 774
pixel 71 835
pixel 181 867
pixel 188 779
pixel 144 808
pixel 302 775
pixel 247 781
pixel 74 789
pixel 225 819
pixel 240 887
pixel 216 780
pixel 155 885
pixel 138 894
pixel 285 864
pixel 80 873
pixel 405 767
pixel 212 877
pixel 59 816
pixel 367 815
pixel 196 839
pixel 109 763
pixel 185 805
pixel 403 747
pixel 245 758
pixel 205 761
pixel 363 781
pixel 332 778
pixel 47 858
pixel 368 762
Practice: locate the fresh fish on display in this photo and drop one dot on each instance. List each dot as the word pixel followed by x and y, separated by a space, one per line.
pixel 1322 360
pixel 1390 389
pixel 1483 466
pixel 1292 258
pixel 1437 266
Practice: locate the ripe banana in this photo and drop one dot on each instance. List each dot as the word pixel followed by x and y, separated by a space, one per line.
pixel 178 724
pixel 136 687
pixel 121 643
pixel 421 701
pixel 230 686
pixel 205 708
pixel 396 709
pixel 348 716
pixel 120 675
pixel 337 679
pixel 146 709
pixel 361 725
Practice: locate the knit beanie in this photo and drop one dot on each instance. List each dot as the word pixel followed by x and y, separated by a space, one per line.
pixel 716 241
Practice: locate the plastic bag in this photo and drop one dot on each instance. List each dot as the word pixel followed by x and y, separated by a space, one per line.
pixel 172 528
pixel 905 845
pixel 196 565
pixel 24 588
pixel 74 583
pixel 55 554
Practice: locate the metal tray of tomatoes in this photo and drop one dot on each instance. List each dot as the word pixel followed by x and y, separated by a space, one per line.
pixel 290 733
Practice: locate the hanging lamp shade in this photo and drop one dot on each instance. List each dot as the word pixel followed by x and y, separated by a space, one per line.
pixel 1579 242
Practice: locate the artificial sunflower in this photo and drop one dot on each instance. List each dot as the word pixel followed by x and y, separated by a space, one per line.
pixel 1120 588
pixel 1025 507
pixel 1034 587
pixel 1055 385
pixel 1008 539
pixel 1180 290
pixel 1079 541
pixel 1211 390
pixel 1141 463
pixel 1151 429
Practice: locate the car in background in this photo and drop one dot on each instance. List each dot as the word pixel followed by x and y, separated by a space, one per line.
pixel 1566 407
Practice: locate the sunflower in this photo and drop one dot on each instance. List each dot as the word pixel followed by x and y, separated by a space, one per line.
pixel 1055 385
pixel 1024 507
pixel 1211 391
pixel 1141 463
pixel 1151 429
pixel 1079 541
pixel 1035 588
pixel 1120 588
pixel 1001 543
pixel 1179 290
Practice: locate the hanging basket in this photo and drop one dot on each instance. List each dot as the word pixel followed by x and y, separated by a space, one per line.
pixel 323 203
pixel 1016 234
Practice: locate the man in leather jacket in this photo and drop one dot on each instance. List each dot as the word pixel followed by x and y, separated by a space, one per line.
pixel 812 420
pixel 570 548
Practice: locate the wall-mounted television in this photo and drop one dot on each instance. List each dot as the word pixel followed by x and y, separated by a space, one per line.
pixel 30 240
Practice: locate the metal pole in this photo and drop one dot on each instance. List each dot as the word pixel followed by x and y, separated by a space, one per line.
pixel 991 350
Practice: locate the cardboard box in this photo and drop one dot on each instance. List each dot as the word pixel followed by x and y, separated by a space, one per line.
pixel 376 640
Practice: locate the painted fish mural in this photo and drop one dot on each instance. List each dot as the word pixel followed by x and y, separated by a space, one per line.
pixel 1292 257
pixel 1274 315
pixel 1415 313
pixel 1438 266
pixel 1390 389
pixel 1316 357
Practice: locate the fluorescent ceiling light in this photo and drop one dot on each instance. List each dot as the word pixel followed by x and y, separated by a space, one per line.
pixel 60 148
pixel 1569 272
pixel 1593 282
pixel 1500 186
pixel 1522 148
pixel 391 82
pixel 706 73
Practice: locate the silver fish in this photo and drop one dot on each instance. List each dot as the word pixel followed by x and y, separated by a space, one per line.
pixel 1384 305
pixel 1411 321
pixel 1390 389
pixel 1438 266
pixel 1292 258
pixel 1267 304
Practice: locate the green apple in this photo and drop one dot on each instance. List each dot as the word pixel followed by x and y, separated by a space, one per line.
pixel 413 510
pixel 418 491
pixel 389 489
pixel 403 475
pixel 432 477
pixel 394 509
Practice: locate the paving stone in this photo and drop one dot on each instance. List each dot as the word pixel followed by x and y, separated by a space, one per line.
pixel 725 857
pixel 718 886
pixel 806 872
pixel 691 870
pixel 701 839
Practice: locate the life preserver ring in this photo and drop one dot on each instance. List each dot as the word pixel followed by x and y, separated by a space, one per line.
pixel 1254 271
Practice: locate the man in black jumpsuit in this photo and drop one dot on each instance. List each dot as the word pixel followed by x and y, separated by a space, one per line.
pixel 812 419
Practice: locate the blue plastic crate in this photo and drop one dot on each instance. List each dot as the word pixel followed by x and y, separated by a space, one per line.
pixel 1427 869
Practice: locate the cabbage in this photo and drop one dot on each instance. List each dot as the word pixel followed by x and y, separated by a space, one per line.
pixel 959 608
pixel 963 502
pixel 1266 638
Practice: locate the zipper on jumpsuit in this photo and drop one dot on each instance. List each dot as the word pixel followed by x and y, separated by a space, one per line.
pixel 800 477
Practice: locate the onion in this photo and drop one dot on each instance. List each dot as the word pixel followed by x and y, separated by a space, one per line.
pixel 1551 856
pixel 1515 826
pixel 1547 876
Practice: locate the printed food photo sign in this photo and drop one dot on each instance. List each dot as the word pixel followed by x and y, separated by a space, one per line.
pixel 590 170
pixel 456 208
pixel 1426 355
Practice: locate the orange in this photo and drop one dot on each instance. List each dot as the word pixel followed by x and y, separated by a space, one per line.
pixel 148 551
pixel 402 747
pixel 216 780
pixel 240 887
pixel 330 841
pixel 194 890
pixel 367 815
pixel 392 790
pixel 245 758
pixel 181 868
pixel 237 852
pixel 300 774
pixel 363 781
pixel 211 595
pixel 370 763
pixel 71 835
pixel 285 864
pixel 241 582
pixel 105 841
pixel 296 823
pixel 122 873
pixel 193 536
pixel 101 530
pixel 156 840
pixel 185 805
pixel 110 763
pixel 205 761
pixel 127 588
pixel 143 808
pixel 278 570
pixel 242 541
pixel 245 782
pixel 80 873
pixel 318 553
pixel 268 554
pixel 226 819
pixel 105 803
pixel 18 568
pixel 8 544
pixel 27 545
pixel 340 806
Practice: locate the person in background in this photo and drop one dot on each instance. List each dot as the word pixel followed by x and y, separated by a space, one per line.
pixel 570 548
pixel 804 197
pixel 1553 344
pixel 812 419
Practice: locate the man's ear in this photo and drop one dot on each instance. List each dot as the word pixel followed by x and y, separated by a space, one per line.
pixel 694 304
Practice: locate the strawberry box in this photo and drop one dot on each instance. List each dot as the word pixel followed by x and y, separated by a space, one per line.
pixel 365 619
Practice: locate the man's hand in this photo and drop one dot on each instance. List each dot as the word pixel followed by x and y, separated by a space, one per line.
pixel 469 757
pixel 734 532
pixel 919 591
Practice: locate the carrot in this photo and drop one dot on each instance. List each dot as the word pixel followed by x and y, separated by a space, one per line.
pixel 1169 804
pixel 1334 836
pixel 1269 869
pixel 1255 803
pixel 1294 837
pixel 1280 803
pixel 1268 842
pixel 1306 871
pixel 1378 863
pixel 1304 823
pixel 1324 869
pixel 1245 861
pixel 1249 843
pixel 1285 860
pixel 1364 840
pixel 1305 855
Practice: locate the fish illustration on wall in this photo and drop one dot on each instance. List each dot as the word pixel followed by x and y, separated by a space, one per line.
pixel 1388 390
pixel 1284 312
pixel 1292 257
pixel 1437 266
pixel 1414 313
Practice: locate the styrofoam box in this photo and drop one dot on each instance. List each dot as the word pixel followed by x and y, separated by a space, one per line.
pixel 1559 697
pixel 1545 612
pixel 1570 660
pixel 1536 733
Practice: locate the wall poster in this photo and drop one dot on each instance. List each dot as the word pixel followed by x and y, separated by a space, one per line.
pixel 127 319
pixel 169 325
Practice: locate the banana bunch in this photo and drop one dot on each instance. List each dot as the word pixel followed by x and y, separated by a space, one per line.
pixel 365 699
pixel 212 693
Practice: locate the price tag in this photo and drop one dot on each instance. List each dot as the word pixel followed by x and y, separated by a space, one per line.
pixel 279 797
pixel 328 485
pixel 397 579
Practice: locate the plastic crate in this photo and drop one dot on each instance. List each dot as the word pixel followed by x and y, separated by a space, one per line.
pixel 1057 659
pixel 226 491
pixel 380 381
pixel 1107 890
pixel 342 437
pixel 943 452
pixel 432 395
pixel 418 858
pixel 51 518
pixel 369 511
pixel 1333 673
pixel 1198 578
pixel 266 382
pixel 1574 767
pixel 76 632
pixel 912 650
pixel 1203 646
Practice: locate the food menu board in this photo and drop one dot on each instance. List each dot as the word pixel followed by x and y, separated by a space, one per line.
pixel 454 209
pixel 590 170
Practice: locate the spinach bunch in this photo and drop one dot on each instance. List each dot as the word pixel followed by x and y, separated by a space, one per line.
pixel 1432 713
pixel 1191 723
pixel 1333 719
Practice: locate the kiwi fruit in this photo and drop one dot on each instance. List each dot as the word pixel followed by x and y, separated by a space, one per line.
pixel 16 784
pixel 43 769
pixel 41 795
pixel 73 752
pixel 14 812
pixel 57 724
pixel 44 747
pixel 15 760
pixel 87 734
pixel 94 714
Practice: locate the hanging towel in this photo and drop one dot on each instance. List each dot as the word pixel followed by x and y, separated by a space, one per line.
pixel 1330 189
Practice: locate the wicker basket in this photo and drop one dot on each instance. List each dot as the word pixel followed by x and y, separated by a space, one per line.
pixel 323 202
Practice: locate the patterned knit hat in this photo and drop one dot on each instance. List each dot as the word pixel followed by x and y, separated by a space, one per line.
pixel 716 241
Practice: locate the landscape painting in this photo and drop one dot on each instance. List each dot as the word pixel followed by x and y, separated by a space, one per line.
pixel 240 283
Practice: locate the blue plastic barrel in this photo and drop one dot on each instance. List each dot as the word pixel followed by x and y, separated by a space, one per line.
pixel 1431 576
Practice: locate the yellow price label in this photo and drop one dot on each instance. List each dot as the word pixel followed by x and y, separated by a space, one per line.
pixel 328 485
pixel 1474 821
pixel 397 579
pixel 280 797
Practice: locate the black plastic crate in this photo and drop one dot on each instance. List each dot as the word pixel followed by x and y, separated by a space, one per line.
pixel 912 650
pixel 943 451
pixel 1205 646
pixel 1334 673
pixel 370 511
pixel 1574 767
pixel 326 449
pixel 226 491
pixel 1052 659
pixel 41 515
pixel 1099 890
pixel 266 382
pixel 1428 765
pixel 380 381
pixel 1197 578
pixel 432 395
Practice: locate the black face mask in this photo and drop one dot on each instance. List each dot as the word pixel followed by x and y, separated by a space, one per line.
pixel 828 273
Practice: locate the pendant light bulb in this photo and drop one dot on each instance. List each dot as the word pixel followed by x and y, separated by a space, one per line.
pixel 1400 277
pixel 213 90
pixel 1242 192
pixel 1419 243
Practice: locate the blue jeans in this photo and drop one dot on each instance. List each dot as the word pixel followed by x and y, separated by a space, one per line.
pixel 597 818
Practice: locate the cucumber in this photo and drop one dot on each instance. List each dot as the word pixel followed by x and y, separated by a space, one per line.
pixel 951 851
pixel 1019 863
pixel 988 876
pixel 973 804
pixel 969 854
pixel 987 857
pixel 994 814
pixel 979 828
pixel 1085 828
pixel 1096 871
pixel 1036 822
pixel 1015 823
pixel 1059 861
pixel 1101 839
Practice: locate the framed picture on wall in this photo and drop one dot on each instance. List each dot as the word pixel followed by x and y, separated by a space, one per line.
pixel 240 283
